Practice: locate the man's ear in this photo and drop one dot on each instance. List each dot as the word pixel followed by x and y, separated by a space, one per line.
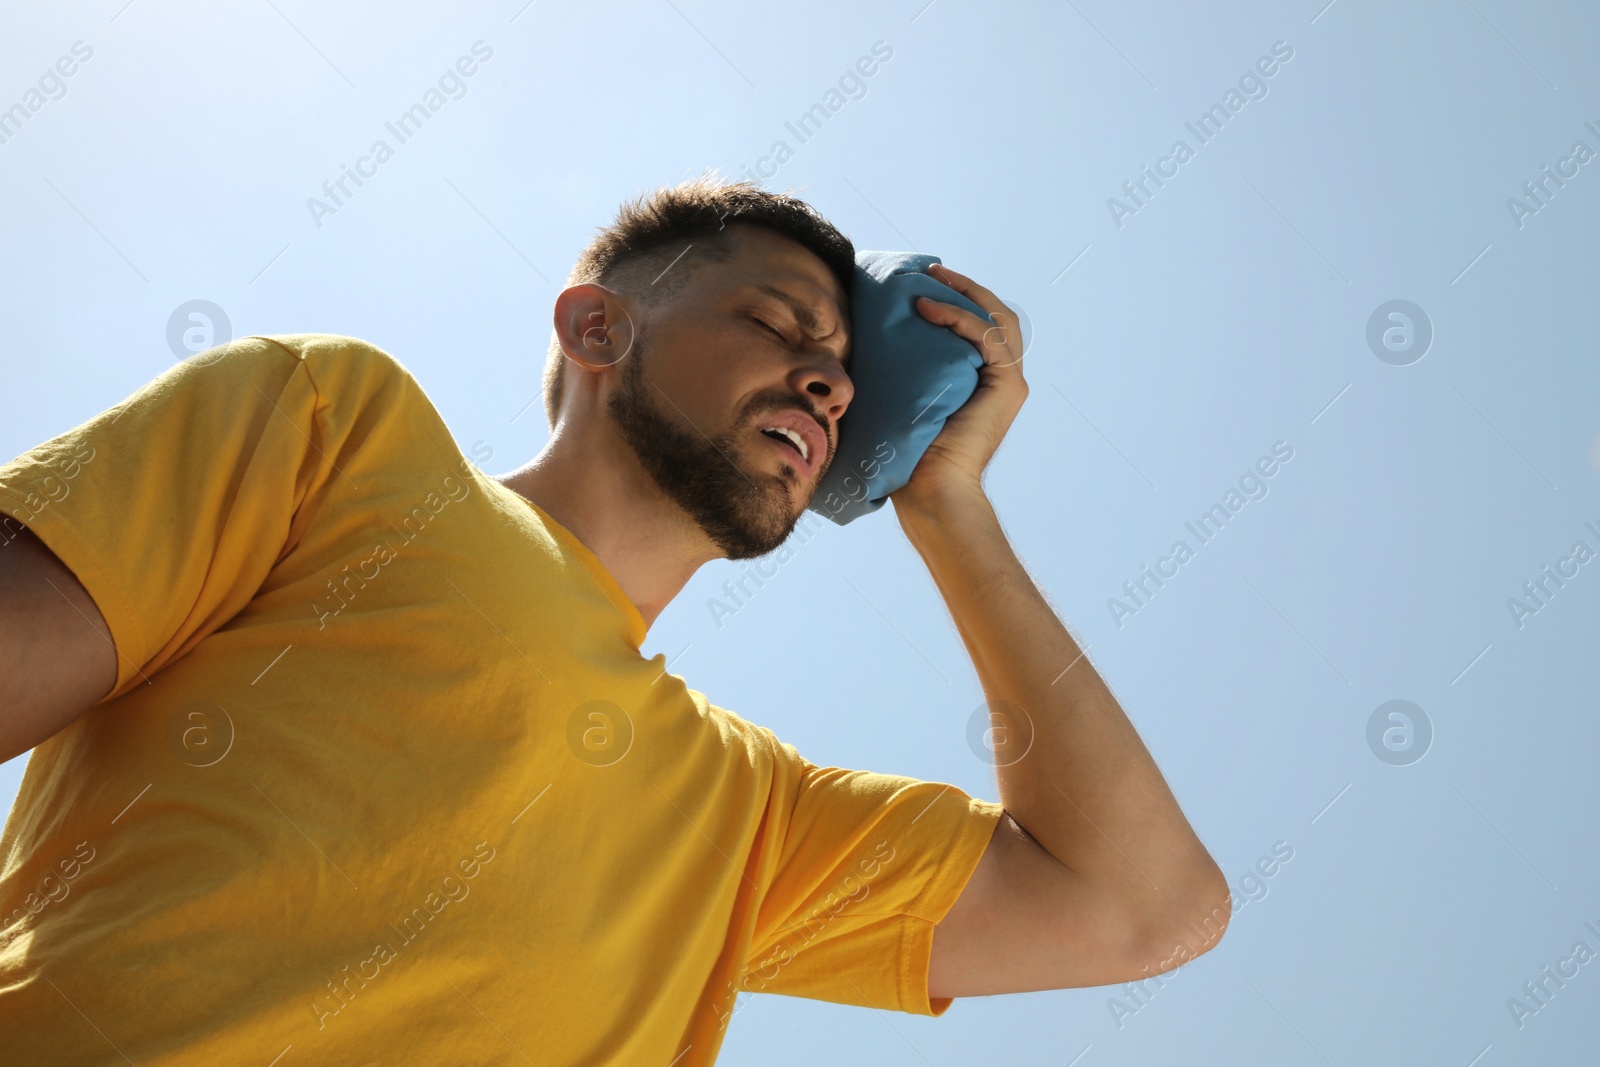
pixel 593 326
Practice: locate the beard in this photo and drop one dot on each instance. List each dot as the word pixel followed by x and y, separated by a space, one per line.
pixel 745 515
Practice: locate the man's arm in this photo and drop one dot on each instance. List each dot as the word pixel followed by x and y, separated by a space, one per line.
pixel 1096 872
pixel 1095 876
pixel 56 653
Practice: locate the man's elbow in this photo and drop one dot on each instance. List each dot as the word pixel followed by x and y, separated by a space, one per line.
pixel 1195 923
pixel 1190 921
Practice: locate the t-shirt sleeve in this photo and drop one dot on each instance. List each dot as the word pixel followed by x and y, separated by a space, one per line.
pixel 172 507
pixel 868 865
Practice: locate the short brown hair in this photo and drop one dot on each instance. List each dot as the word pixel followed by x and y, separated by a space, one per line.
pixel 645 238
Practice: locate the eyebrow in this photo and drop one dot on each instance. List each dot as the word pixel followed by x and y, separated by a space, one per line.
pixel 802 311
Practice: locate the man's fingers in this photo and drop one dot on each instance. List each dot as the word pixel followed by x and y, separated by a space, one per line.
pixel 967 287
pixel 1004 339
pixel 999 342
pixel 965 324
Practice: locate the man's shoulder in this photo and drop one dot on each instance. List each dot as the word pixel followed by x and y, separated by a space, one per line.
pixel 333 354
pixel 348 373
pixel 362 394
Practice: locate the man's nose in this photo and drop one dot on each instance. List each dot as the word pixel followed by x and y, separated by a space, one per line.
pixel 825 385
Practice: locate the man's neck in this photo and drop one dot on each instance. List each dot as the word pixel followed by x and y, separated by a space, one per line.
pixel 650 546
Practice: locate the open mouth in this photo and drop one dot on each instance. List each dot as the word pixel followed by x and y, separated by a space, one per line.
pixel 795 443
pixel 801 436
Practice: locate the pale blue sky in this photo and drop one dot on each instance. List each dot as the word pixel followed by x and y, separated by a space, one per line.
pixel 1227 314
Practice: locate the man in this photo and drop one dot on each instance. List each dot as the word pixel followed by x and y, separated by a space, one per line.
pixel 346 753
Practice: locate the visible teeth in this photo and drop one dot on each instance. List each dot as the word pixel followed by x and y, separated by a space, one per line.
pixel 799 442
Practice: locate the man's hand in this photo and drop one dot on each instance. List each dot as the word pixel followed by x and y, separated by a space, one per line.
pixel 956 458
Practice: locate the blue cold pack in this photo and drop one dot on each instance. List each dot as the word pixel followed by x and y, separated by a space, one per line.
pixel 909 377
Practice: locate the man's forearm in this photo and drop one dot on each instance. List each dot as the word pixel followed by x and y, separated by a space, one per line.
pixel 1087 789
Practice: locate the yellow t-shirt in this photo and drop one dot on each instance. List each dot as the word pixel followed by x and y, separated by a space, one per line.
pixel 385 778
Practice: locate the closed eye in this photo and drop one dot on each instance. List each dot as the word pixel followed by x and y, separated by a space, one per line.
pixel 773 329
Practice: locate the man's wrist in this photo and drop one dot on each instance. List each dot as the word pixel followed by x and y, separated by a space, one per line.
pixel 947 508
